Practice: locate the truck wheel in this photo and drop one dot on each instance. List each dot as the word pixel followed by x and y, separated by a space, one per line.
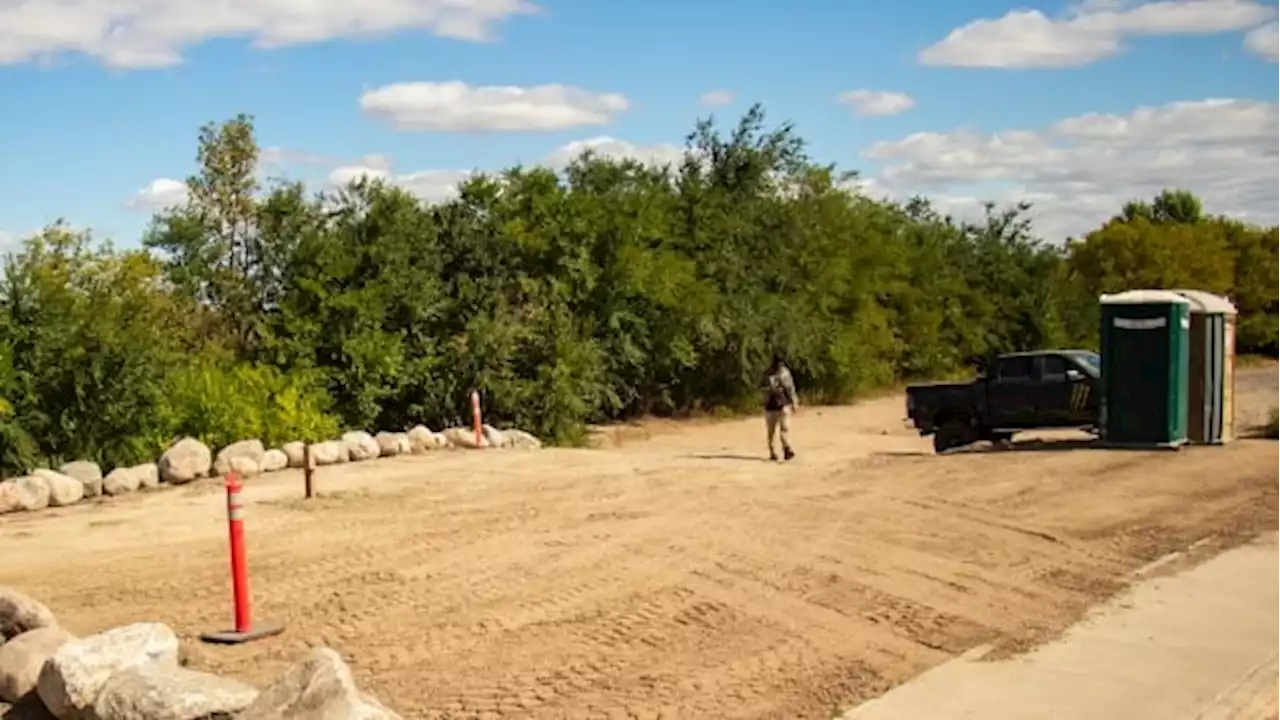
pixel 951 435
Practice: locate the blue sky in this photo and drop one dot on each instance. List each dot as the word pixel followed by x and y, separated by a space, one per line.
pixel 110 99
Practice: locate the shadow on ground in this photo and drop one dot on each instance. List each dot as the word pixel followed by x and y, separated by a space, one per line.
pixel 729 456
pixel 1060 445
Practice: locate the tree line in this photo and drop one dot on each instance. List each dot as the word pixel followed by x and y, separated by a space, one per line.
pixel 609 289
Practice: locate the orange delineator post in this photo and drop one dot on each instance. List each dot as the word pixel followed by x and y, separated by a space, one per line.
pixel 475 418
pixel 244 630
pixel 239 571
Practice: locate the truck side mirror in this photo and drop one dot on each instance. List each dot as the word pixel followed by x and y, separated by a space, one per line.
pixel 1074 375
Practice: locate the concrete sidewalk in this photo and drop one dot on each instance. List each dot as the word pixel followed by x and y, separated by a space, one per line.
pixel 1199 645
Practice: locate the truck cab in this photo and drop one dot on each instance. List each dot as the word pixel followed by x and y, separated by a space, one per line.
pixel 1019 391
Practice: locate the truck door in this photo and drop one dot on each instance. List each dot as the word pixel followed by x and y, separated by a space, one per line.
pixel 1065 393
pixel 1056 393
pixel 1010 393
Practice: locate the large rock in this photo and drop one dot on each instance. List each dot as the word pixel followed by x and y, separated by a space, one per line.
pixel 22 657
pixel 274 461
pixel 296 452
pixel 318 688
pixel 244 457
pixel 494 437
pixel 63 489
pixel 148 475
pixel 163 692
pixel 188 459
pixel 20 613
pixel 10 498
pixel 521 440
pixel 463 437
pixel 23 494
pixel 77 672
pixel 88 473
pixel 422 440
pixel 121 481
pixel 330 452
pixel 361 445
pixel 124 480
pixel 391 444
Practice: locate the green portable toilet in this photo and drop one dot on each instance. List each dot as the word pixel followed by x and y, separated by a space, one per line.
pixel 1144 338
pixel 1211 370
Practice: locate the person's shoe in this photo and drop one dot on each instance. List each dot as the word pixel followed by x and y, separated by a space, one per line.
pixel 788 453
pixel 773 456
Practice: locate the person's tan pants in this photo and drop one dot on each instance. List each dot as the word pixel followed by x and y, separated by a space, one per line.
pixel 778 422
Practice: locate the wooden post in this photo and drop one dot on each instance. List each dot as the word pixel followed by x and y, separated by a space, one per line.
pixel 308 469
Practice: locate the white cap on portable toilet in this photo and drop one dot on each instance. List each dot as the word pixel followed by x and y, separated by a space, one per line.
pixel 1207 303
pixel 1144 297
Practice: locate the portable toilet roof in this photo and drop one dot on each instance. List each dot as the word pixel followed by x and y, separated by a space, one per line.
pixel 1206 303
pixel 1145 297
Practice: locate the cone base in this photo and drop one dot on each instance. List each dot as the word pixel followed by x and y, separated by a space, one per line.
pixel 231 637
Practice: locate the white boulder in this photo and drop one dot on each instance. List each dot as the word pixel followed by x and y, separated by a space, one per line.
pixel 88 473
pixel 318 688
pixel 361 445
pixel 23 494
pixel 188 460
pixel 77 672
pixel 166 692
pixel 63 489
pixel 244 457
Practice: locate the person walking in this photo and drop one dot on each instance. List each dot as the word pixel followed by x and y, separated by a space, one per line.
pixel 780 400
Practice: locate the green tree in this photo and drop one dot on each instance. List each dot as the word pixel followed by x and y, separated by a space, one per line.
pixel 90 335
pixel 212 242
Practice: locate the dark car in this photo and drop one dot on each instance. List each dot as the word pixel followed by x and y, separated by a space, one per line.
pixel 1020 391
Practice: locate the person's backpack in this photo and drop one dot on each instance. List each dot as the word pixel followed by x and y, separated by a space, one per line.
pixel 777 392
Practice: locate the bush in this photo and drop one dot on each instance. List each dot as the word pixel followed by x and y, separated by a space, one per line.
pixel 223 402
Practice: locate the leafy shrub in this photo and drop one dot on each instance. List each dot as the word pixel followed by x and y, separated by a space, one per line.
pixel 223 402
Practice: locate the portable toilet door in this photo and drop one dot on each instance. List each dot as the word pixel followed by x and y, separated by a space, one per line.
pixel 1211 376
pixel 1144 368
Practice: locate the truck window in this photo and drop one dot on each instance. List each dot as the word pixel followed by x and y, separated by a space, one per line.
pixel 1053 369
pixel 1015 368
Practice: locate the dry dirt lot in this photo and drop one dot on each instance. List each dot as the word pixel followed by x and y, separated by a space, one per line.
pixel 671 574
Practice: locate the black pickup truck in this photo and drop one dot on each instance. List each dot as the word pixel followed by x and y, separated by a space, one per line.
pixel 1020 391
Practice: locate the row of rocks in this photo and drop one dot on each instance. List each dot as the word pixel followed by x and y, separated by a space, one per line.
pixel 134 672
pixel 189 460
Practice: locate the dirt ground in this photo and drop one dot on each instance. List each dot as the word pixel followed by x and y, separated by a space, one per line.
pixel 673 573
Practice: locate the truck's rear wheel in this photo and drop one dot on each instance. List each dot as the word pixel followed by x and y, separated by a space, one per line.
pixel 952 434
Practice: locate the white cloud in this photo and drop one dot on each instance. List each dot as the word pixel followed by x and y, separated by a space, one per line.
pixel 1264 41
pixel 441 185
pixel 131 34
pixel 605 146
pixel 458 107
pixel 275 157
pixel 429 185
pixel 1092 31
pixel 158 194
pixel 716 98
pixel 876 102
pixel 1081 170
